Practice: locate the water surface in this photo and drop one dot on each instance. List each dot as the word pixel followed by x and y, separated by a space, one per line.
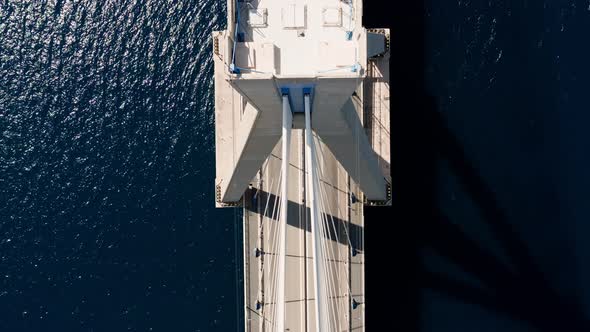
pixel 107 221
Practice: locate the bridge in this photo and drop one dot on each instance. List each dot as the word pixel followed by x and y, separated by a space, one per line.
pixel 302 144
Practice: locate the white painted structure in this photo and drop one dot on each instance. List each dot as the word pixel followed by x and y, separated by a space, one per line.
pixel 286 69
pixel 328 56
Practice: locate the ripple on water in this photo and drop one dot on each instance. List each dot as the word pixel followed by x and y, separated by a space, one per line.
pixel 106 122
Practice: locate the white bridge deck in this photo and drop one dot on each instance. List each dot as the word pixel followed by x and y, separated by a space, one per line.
pixel 259 232
pixel 260 228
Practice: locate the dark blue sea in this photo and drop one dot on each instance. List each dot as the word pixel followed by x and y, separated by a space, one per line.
pixel 107 218
pixel 107 165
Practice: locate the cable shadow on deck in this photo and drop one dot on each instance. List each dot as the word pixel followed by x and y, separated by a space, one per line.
pixel 342 231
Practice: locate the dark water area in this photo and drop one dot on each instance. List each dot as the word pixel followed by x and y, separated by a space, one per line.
pixel 490 152
pixel 107 218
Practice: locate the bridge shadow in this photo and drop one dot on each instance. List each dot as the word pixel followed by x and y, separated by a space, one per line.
pixel 420 140
pixel 523 293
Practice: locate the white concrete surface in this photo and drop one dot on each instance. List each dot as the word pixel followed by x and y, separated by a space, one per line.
pixel 304 32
